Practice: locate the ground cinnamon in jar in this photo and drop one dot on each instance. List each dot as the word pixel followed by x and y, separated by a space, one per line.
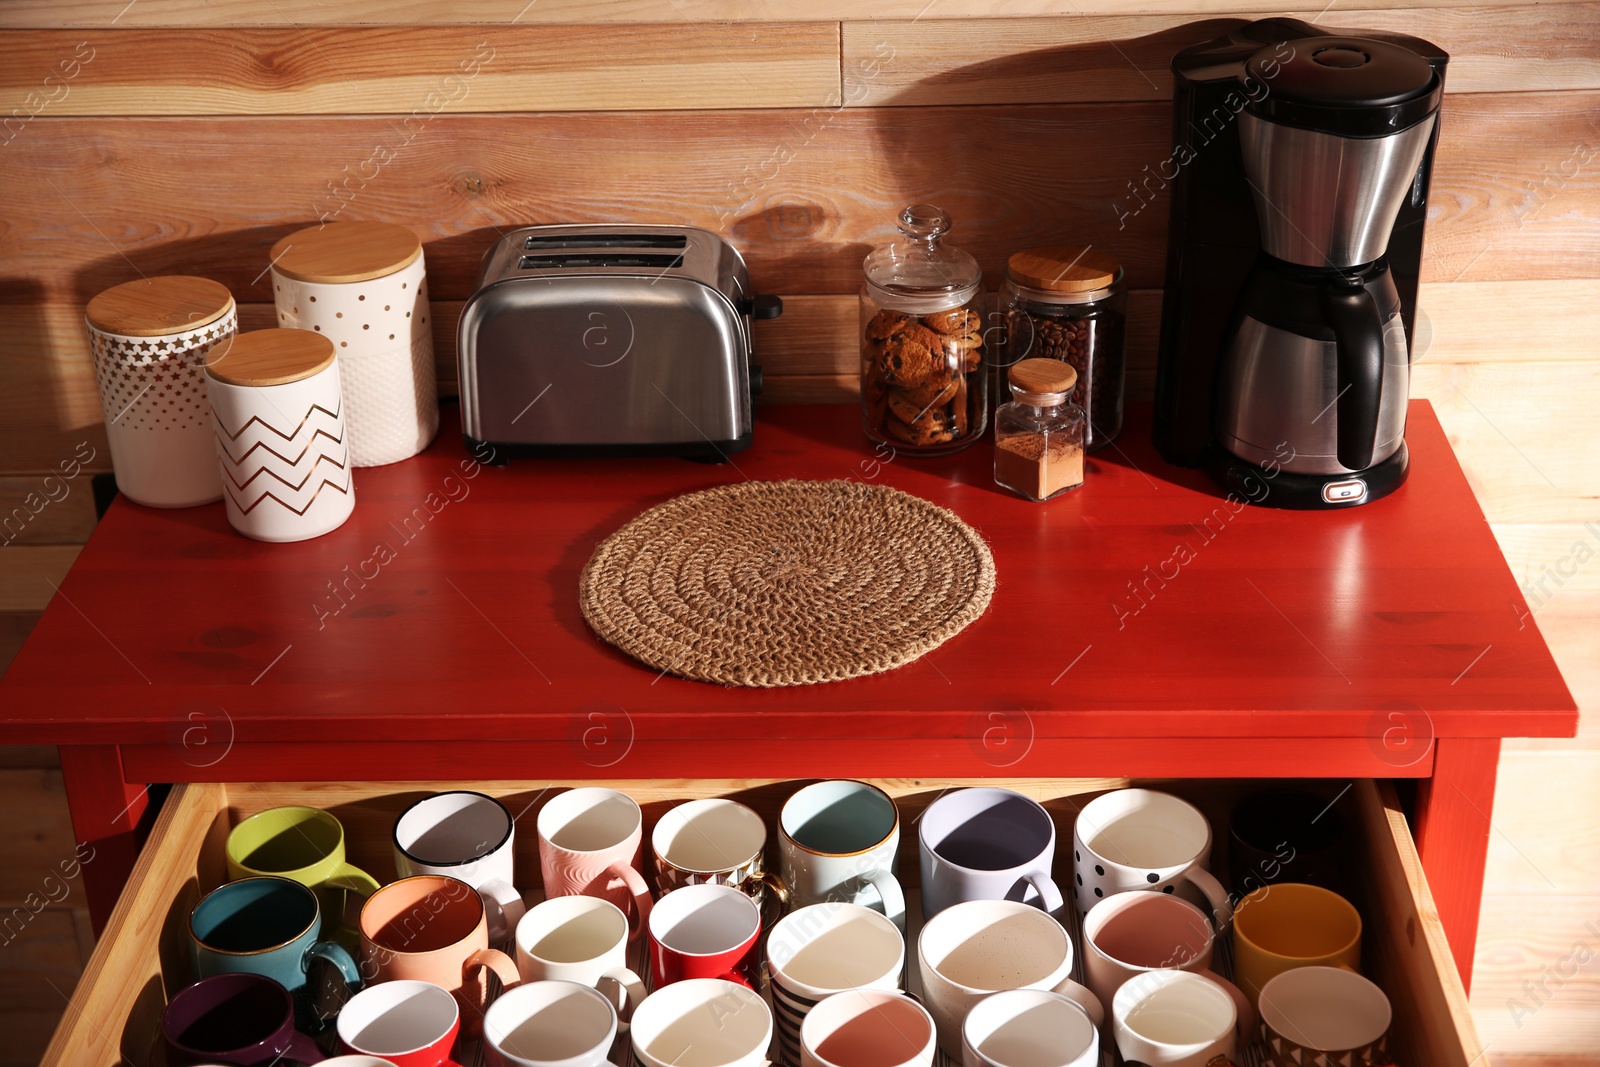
pixel 1038 435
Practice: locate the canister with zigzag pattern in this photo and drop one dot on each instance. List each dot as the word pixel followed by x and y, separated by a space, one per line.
pixel 280 434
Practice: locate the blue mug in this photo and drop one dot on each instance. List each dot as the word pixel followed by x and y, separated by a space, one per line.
pixel 269 926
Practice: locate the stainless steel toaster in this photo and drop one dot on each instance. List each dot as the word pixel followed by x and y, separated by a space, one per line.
pixel 610 340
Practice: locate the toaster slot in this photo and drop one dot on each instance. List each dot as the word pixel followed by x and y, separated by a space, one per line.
pixel 653 261
pixel 605 240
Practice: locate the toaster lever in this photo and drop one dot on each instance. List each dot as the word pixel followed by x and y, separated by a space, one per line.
pixel 763 307
pixel 755 380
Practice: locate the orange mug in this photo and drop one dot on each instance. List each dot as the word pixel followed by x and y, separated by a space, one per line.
pixel 432 928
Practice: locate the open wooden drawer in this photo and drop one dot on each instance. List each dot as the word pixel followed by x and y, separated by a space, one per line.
pixel 115 1014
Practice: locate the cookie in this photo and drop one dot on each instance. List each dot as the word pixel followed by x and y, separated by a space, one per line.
pixel 956 320
pixel 927 432
pixel 911 406
pixel 936 390
pixel 915 331
pixel 905 363
pixel 885 323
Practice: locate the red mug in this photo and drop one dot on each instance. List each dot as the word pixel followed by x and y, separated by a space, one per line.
pixel 409 1023
pixel 704 931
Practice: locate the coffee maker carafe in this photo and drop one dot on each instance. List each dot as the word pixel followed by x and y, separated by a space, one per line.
pixel 1287 364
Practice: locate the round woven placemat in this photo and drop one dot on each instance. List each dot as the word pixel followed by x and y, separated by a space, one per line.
pixel 786 583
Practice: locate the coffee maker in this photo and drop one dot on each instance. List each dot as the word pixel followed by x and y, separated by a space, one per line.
pixel 1300 174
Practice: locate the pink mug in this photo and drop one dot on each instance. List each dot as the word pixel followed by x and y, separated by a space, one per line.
pixel 590 842
pixel 434 929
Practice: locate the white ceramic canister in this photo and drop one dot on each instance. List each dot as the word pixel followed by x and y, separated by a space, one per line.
pixel 362 286
pixel 149 339
pixel 280 434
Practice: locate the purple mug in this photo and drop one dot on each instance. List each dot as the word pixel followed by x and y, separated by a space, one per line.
pixel 241 1019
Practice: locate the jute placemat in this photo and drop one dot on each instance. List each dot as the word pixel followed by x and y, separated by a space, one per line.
pixel 786 583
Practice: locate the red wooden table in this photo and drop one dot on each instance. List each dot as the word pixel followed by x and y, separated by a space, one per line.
pixel 1144 626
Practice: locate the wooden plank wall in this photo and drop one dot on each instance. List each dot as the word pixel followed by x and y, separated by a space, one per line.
pixel 180 136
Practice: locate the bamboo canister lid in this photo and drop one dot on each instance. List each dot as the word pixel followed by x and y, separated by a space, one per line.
pixel 1063 269
pixel 269 357
pixel 157 307
pixel 343 252
pixel 1039 375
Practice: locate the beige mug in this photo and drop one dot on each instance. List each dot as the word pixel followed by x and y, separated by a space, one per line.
pixel 590 842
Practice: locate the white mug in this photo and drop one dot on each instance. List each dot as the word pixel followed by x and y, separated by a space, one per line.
pixel 469 836
pixel 868 1028
pixel 979 947
pixel 839 840
pixel 1131 934
pixel 1316 1014
pixel 1173 1019
pixel 1141 839
pixel 579 939
pixel 702 1022
pixel 986 844
pixel 820 950
pixel 1029 1028
pixel 549 1024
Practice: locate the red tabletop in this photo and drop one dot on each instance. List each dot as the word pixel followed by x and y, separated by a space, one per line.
pixel 1143 605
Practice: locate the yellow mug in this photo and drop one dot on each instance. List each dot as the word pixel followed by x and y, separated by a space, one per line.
pixel 1281 927
pixel 305 845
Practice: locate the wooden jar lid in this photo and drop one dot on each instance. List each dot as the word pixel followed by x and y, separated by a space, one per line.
pixel 269 357
pixel 1040 375
pixel 157 307
pixel 342 252
pixel 1063 269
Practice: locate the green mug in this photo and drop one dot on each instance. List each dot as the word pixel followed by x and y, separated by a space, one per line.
pixel 305 845
pixel 271 926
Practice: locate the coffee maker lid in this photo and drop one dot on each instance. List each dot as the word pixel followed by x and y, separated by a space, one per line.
pixel 1348 86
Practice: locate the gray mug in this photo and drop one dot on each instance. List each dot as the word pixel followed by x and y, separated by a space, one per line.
pixel 987 844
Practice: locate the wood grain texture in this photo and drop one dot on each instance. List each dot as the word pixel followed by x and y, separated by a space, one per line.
pixel 1454 822
pixel 30 573
pixel 46 508
pixel 420 71
pixel 934 61
pixel 1532 941
pixel 35 837
pixel 1534 849
pixel 804 194
pixel 103 13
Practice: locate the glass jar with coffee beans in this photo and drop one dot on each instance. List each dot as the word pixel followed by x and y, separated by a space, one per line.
pixel 1069 303
pixel 924 387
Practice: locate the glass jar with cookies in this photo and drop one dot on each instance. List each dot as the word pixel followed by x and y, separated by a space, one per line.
pixel 924 388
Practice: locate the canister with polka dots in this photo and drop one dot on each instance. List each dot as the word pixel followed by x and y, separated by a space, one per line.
pixel 149 340
pixel 280 434
pixel 362 286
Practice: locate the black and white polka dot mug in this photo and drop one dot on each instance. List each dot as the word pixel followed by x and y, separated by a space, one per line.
pixel 1142 839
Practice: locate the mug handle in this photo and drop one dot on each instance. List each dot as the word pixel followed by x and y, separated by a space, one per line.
pixel 1084 998
pixel 510 905
pixel 1245 1030
pixel 339 957
pixel 1050 900
pixel 351 879
pixel 778 900
pixel 894 900
pixel 633 992
pixel 638 893
pixel 1206 882
pixel 503 966
pixel 301 1049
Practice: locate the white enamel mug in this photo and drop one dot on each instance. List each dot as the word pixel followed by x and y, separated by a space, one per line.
pixel 583 940
pixel 979 947
pixel 1029 1028
pixel 820 950
pixel 1141 839
pixel 839 840
pixel 469 836
pixel 1173 1019
pixel 702 1022
pixel 868 1028
pixel 549 1024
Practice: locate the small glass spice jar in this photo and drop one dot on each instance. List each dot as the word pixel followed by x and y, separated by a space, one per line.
pixel 1069 303
pixel 924 389
pixel 1038 435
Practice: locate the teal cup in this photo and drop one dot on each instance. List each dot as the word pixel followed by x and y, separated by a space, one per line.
pixel 270 926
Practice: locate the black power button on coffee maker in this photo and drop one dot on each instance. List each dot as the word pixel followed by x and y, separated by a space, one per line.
pixel 1295 246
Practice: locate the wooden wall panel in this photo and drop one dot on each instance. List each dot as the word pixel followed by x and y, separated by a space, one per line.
pixel 804 194
pixel 419 72
pixel 937 61
pixel 97 14
pixel 30 575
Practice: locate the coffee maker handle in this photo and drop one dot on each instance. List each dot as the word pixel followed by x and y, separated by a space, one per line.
pixel 1358 335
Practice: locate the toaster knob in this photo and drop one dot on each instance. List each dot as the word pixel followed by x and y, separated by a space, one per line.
pixel 755 380
pixel 763 307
